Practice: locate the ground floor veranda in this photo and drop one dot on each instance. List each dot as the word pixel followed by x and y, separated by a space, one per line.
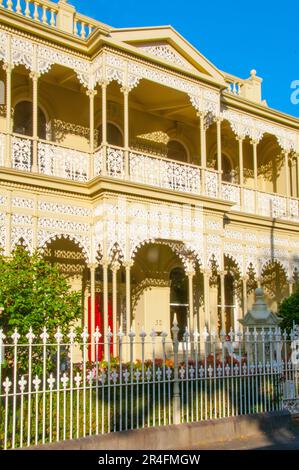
pixel 163 279
pixel 138 262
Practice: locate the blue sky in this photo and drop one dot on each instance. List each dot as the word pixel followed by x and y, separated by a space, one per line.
pixel 236 39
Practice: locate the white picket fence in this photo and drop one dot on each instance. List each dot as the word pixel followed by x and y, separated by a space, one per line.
pixel 50 392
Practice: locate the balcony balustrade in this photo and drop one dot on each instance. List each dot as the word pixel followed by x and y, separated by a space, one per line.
pixel 164 173
pixel 47 13
pixel 232 193
pixel 70 164
pixel 21 153
pixel 54 160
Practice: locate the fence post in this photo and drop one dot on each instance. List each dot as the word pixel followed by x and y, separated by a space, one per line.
pixel 176 387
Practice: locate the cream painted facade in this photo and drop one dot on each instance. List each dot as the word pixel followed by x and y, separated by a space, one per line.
pixel 159 183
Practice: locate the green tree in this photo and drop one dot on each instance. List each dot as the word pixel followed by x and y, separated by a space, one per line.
pixel 289 310
pixel 34 293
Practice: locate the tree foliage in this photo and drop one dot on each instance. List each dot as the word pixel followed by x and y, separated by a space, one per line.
pixel 289 310
pixel 33 293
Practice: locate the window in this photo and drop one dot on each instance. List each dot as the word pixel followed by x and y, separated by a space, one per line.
pixel 23 120
pixel 177 151
pixel 114 135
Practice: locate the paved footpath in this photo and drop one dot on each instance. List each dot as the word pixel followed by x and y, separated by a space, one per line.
pixel 286 440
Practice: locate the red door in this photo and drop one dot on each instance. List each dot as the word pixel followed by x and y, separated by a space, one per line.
pixel 99 321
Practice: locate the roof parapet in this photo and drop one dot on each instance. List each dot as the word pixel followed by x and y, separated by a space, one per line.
pixel 61 15
pixel 249 88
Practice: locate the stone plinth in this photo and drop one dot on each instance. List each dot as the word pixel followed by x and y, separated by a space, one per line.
pixel 260 317
pixel 260 320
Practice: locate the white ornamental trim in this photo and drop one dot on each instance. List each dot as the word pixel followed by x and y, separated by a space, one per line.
pixel 83 241
pixel 66 209
pixel 22 202
pixel 3 200
pixel 3 47
pixel 149 223
pixel 244 125
pixel 19 219
pixel 63 225
pixel 22 233
pixel 167 53
pixel 46 57
pixel 128 74
pixel 124 71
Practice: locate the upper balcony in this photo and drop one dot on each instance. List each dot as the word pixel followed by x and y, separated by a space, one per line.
pixel 148 169
pixel 153 133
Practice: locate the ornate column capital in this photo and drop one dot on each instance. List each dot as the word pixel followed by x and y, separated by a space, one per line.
pixel 7 67
pixel 190 273
pixel 91 93
pixel 254 142
pixel 201 115
pixel 115 265
pixel 218 119
pixel 125 90
pixel 34 76
pixel 207 272
pixel 104 83
pixel 104 262
pixel 128 264
pixel 92 266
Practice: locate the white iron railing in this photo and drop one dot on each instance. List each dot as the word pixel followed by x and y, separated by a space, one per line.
pixel 54 160
pixel 164 173
pixel 294 209
pixel 211 183
pixel 50 392
pixel 98 162
pixel 231 192
pixel 115 161
pixel 272 205
pixel 21 153
pixel 249 200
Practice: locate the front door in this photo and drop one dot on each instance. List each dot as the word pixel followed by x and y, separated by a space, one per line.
pixel 99 322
